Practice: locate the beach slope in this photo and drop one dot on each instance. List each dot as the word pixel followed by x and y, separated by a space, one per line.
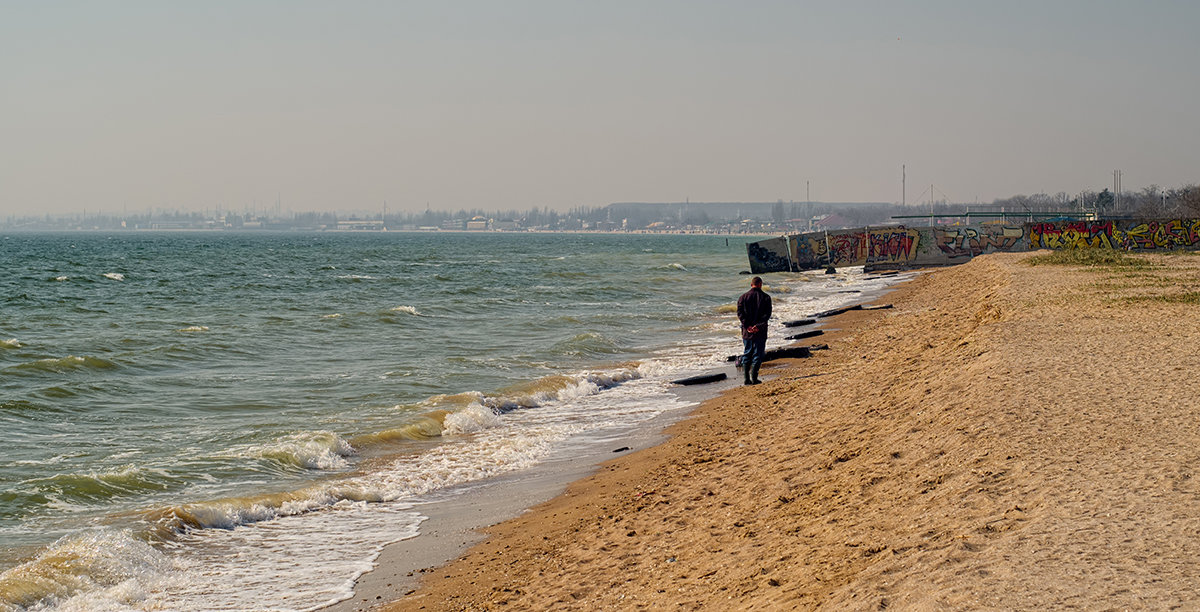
pixel 1007 437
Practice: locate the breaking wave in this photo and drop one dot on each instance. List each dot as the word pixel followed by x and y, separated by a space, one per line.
pixel 321 450
pixel 106 564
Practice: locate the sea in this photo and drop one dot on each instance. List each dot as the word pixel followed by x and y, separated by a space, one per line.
pixel 241 421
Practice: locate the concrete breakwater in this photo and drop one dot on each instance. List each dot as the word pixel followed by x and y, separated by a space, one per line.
pixel 900 246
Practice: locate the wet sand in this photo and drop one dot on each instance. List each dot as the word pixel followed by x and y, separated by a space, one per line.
pixel 1007 437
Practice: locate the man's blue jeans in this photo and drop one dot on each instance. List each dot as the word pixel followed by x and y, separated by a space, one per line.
pixel 752 356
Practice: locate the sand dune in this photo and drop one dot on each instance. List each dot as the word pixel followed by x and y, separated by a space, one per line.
pixel 1007 437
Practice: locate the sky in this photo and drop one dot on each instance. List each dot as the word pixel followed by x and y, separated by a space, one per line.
pixel 508 105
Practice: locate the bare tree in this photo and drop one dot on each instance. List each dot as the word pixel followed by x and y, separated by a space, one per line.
pixel 1186 199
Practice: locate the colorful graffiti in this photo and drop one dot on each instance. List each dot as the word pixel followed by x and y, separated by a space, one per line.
pixel 855 247
pixel 1136 235
pixel 1072 235
pixel 1173 234
pixel 892 245
pixel 972 241
pixel 950 245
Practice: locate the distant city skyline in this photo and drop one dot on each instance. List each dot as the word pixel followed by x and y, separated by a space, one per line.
pixel 534 103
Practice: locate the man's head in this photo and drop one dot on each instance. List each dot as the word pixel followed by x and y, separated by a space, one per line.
pixel 756 282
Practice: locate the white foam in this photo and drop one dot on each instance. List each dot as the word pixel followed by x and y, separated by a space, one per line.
pixel 108 570
pixel 291 563
pixel 117 276
pixel 473 418
pixel 407 310
pixel 194 328
pixel 10 343
pixel 317 450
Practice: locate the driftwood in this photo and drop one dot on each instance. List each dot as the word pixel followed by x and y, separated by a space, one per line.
pixel 837 311
pixel 799 322
pixel 701 379
pixel 807 334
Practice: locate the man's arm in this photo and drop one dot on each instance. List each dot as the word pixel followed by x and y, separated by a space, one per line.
pixel 766 311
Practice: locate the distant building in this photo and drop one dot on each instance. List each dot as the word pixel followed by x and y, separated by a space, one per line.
pixel 360 226
pixel 834 221
pixel 477 224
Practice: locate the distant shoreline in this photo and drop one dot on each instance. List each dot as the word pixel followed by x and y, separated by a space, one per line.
pixel 404 231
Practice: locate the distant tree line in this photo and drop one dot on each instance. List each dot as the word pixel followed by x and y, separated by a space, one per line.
pixel 1149 202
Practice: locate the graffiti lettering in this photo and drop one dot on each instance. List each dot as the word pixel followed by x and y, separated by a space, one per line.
pixel 973 241
pixel 892 245
pixel 1127 235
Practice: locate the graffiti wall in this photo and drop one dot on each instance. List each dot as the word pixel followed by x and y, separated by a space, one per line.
pixel 1137 235
pixel 938 246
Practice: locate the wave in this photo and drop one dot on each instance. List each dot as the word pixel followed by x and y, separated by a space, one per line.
pixel 193 328
pixel 356 277
pixel 62 365
pixel 57 392
pixel 461 413
pixel 412 310
pixel 460 461
pixel 124 481
pixel 231 512
pixel 673 266
pixel 424 427
pixel 117 276
pixel 60 279
pixel 589 344
pixel 481 411
pixel 320 450
pixel 11 343
pixel 26 406
pixel 103 563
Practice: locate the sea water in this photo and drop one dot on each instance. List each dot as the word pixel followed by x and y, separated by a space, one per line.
pixel 240 421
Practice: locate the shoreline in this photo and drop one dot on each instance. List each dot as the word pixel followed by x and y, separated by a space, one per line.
pixel 460 519
pixel 457 520
pixel 952 452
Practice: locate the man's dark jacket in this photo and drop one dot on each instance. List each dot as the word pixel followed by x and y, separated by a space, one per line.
pixel 754 308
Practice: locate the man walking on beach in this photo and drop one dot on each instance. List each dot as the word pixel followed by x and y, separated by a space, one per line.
pixel 753 310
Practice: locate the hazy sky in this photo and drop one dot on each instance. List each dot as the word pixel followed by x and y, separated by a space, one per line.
pixel 513 104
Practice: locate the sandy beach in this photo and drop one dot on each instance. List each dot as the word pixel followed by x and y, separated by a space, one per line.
pixel 1007 437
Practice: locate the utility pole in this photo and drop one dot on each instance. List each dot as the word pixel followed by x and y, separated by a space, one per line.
pixel 903 185
pixel 1117 191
